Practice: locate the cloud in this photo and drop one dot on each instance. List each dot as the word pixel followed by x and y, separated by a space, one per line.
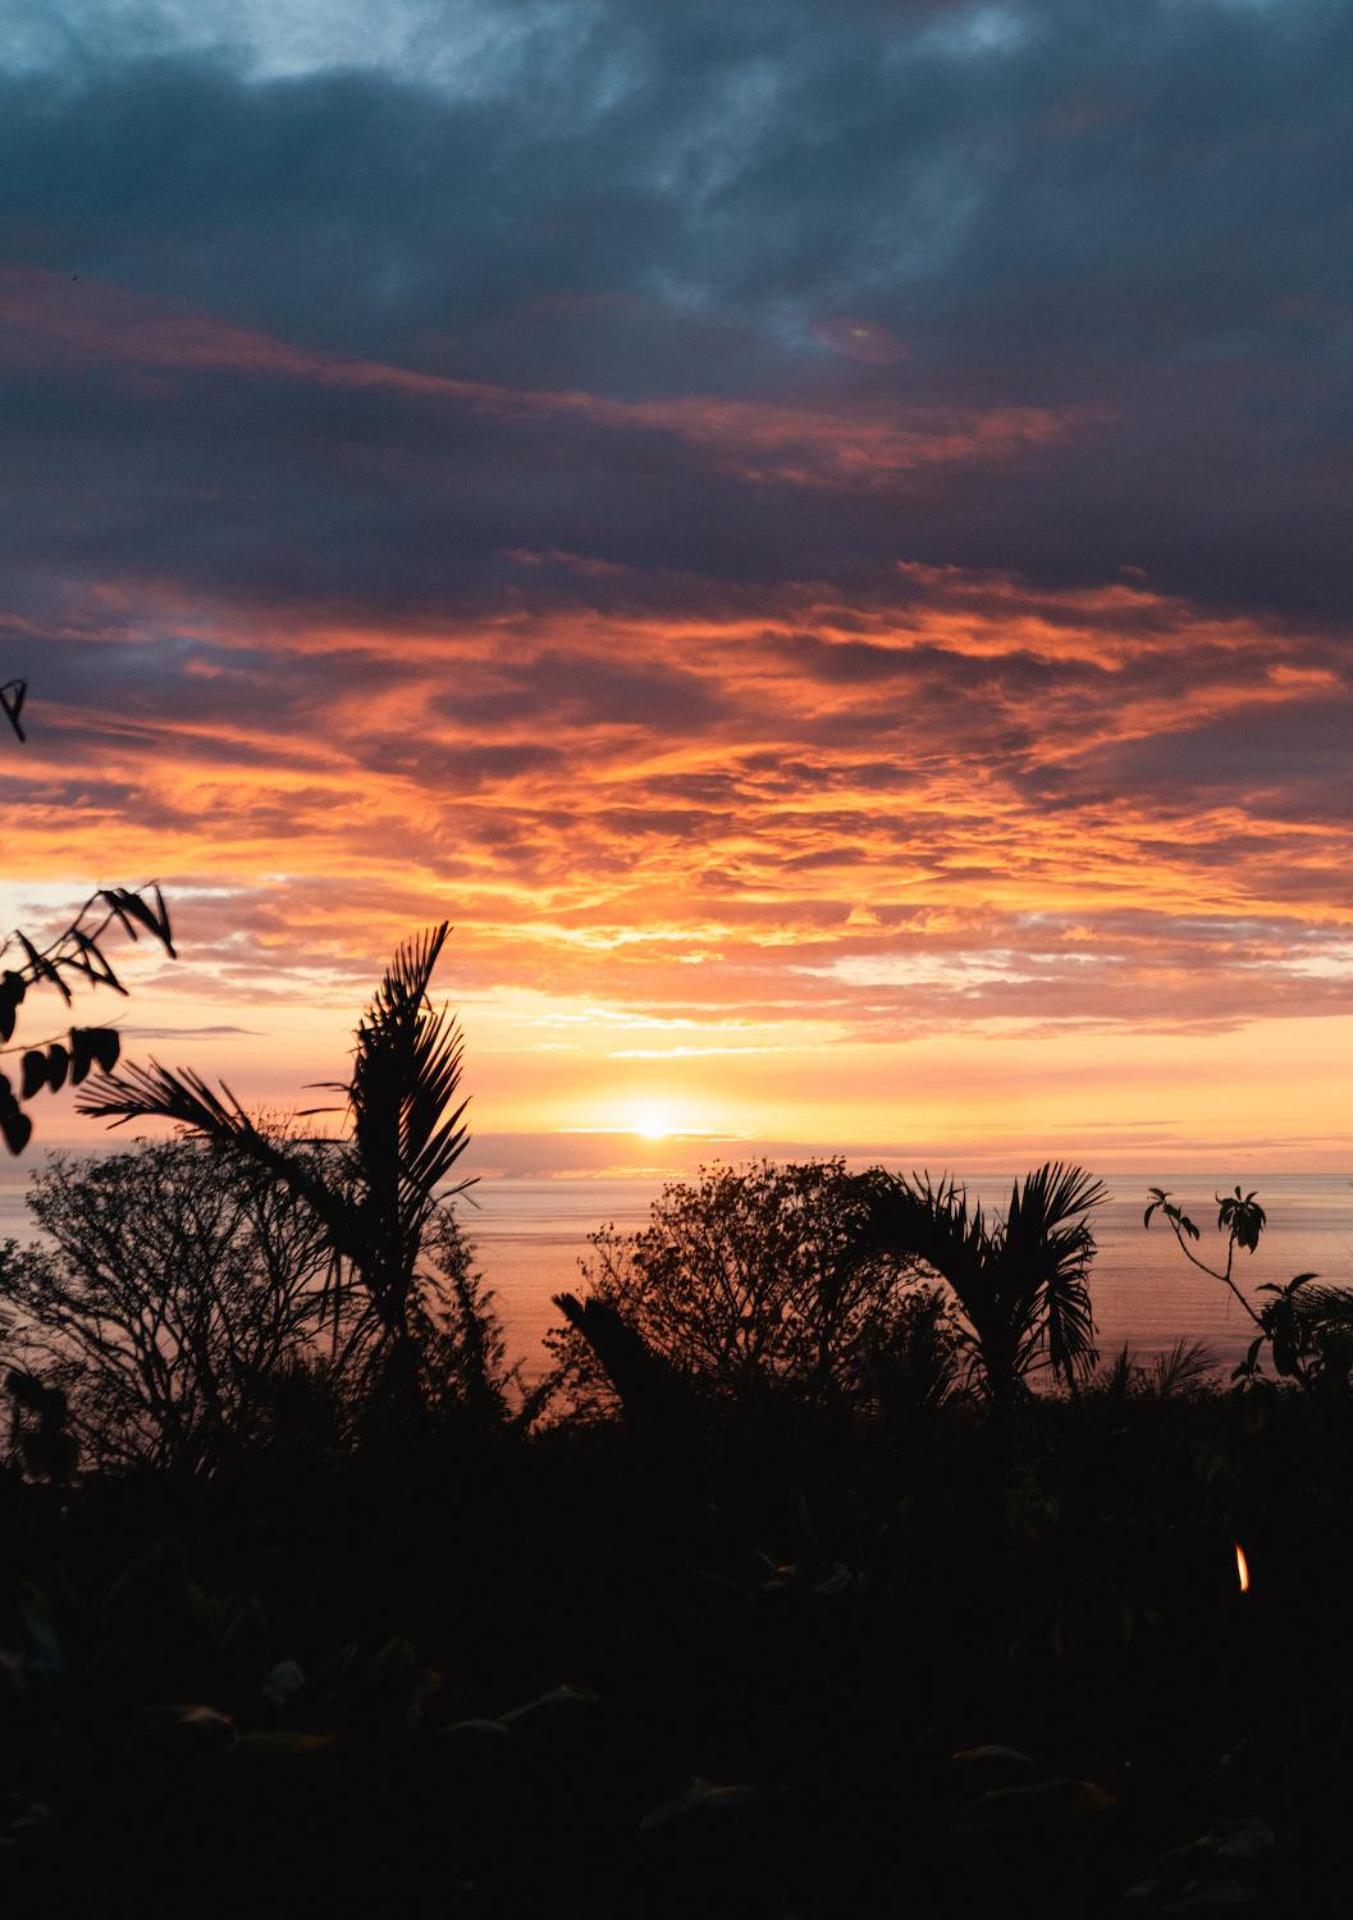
pixel 188 1033
pixel 821 522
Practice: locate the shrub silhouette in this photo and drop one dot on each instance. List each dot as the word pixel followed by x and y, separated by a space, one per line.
pixel 749 1282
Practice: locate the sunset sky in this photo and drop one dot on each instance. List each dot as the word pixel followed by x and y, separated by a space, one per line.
pixel 817 535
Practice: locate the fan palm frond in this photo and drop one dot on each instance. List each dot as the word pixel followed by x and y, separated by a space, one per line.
pixel 1117 1378
pixel 1180 1370
pixel 1021 1282
pixel 934 1221
pixel 1045 1247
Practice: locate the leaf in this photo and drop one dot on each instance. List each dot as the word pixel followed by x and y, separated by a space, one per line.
pixel 81 1055
pixel 208 1724
pixel 562 1699
pixel 16 1127
pixel 979 1769
pixel 1242 1217
pixel 282 1746
pixel 1049 1804
pixel 473 1733
pixel 93 1047
pixel 283 1682
pixel 12 696
pixel 58 1060
pixel 41 968
pixel 12 991
pixel 1283 1333
pixel 34 1069
pixel 1010 1756
pixel 393 1687
pixel 45 1661
pixel 700 1798
pixel 132 910
pixel 32 1826
pixel 87 957
pixel 245 1636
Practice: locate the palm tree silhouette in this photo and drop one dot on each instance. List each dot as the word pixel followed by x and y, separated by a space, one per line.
pixel 1021 1283
pixel 376 1198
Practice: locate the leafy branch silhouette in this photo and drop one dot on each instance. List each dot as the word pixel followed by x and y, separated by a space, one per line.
pixel 1307 1328
pixel 77 957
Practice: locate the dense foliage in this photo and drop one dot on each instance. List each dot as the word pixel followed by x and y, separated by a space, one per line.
pixel 184 1310
pixel 786 1597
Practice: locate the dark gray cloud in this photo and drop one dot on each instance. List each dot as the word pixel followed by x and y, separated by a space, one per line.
pixel 1138 213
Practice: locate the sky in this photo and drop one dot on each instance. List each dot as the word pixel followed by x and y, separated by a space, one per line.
pixel 817 536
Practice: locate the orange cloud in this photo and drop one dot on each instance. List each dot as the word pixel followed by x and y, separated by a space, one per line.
pixel 693 827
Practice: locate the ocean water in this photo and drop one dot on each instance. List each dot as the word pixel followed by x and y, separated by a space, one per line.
pixel 530 1235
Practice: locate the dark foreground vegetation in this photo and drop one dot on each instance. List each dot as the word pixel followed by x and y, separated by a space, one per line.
pixel 830 1572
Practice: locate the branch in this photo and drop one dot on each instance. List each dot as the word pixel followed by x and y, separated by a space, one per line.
pixel 1225 1277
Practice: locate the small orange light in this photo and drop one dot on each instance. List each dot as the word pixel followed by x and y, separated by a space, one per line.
pixel 1242 1568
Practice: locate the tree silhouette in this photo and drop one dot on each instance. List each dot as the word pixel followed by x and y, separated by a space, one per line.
pixel 178 1284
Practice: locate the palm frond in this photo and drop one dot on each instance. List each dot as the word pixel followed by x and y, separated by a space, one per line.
pixel 1329 1308
pixel 1021 1282
pixel 154 1092
pixel 1118 1376
pixel 1045 1247
pixel 933 1221
pixel 1181 1370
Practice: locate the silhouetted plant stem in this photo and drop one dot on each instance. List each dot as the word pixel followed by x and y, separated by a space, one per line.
pixel 1215 1273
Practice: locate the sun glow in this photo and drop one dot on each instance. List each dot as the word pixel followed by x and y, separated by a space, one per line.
pixel 651 1120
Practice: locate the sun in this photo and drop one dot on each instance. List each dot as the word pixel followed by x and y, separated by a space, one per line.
pixel 651 1120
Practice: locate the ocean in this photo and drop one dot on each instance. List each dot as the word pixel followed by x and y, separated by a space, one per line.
pixel 530 1235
